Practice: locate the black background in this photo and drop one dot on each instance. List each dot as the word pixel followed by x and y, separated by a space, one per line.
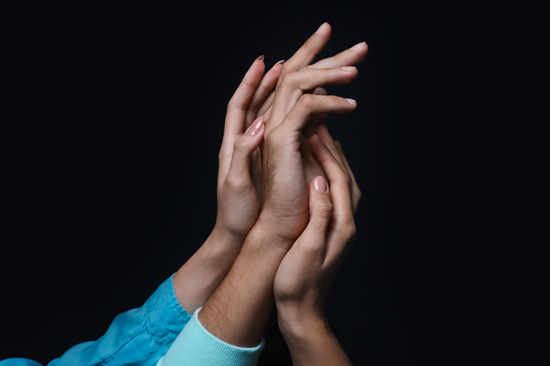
pixel 110 158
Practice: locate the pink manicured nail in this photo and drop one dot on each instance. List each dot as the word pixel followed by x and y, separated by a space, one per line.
pixel 351 101
pixel 358 46
pixel 256 126
pixel 348 68
pixel 322 28
pixel 320 184
pixel 280 62
pixel 261 58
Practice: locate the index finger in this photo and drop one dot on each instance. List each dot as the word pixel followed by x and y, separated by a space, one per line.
pixel 309 50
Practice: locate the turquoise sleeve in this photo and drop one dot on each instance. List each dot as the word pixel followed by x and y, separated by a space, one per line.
pixel 140 336
pixel 196 346
pixel 18 362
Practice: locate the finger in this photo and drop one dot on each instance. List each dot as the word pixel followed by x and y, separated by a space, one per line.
pixel 342 226
pixel 312 242
pixel 338 178
pixel 266 86
pixel 310 105
pixel 236 112
pixel 237 106
pixel 295 84
pixel 320 91
pixel 265 108
pixel 312 168
pixel 351 56
pixel 326 138
pixel 355 190
pixel 309 50
pixel 239 171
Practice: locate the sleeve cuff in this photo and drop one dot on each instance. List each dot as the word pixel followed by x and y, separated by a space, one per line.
pixel 196 346
pixel 165 316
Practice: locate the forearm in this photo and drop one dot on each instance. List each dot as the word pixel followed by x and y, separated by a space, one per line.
pixel 311 341
pixel 197 279
pixel 239 308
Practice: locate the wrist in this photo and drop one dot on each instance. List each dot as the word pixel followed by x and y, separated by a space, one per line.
pixel 224 240
pixel 240 307
pixel 310 339
pixel 299 324
pixel 270 228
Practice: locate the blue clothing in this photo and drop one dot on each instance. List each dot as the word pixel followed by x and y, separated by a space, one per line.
pixel 144 335
pixel 196 346
pixel 137 337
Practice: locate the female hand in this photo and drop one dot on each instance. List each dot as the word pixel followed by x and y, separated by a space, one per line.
pixel 238 201
pixel 308 269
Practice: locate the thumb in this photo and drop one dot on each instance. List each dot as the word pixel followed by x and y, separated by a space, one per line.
pixel 243 150
pixel 320 211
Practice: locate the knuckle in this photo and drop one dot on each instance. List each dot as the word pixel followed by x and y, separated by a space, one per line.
pixel 289 78
pixel 284 70
pixel 234 183
pixel 340 175
pixel 236 103
pixel 240 145
pixel 347 177
pixel 231 103
pixel 273 138
pixel 307 101
pixel 350 229
pixel 312 247
pixel 324 210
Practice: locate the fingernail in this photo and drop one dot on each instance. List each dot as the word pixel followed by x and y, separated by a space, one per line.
pixel 280 62
pixel 261 58
pixel 358 46
pixel 320 184
pixel 348 68
pixel 256 126
pixel 351 101
pixel 322 28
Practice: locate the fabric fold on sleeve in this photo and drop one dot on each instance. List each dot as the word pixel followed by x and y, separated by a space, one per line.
pixel 139 336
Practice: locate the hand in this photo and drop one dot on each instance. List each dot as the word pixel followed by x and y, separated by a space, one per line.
pixel 238 309
pixel 300 60
pixel 284 170
pixel 238 201
pixel 306 272
pixel 308 269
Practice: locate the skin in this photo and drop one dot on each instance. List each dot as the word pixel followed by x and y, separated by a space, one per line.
pixel 239 308
pixel 308 269
pixel 238 202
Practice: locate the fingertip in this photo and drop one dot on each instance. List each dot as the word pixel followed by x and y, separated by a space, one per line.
pixel 314 140
pixel 320 204
pixel 320 91
pixel 324 28
pixel 257 127
pixel 258 66
pixel 320 184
